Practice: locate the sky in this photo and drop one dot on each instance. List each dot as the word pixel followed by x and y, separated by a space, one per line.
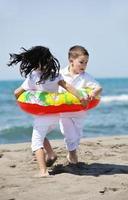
pixel 101 26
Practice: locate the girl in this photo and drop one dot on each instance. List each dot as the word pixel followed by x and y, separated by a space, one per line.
pixel 41 70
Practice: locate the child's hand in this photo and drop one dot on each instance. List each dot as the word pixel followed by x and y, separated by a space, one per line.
pixel 18 92
pixel 84 101
pixel 95 93
pixel 91 96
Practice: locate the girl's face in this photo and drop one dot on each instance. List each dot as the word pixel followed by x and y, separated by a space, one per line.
pixel 78 65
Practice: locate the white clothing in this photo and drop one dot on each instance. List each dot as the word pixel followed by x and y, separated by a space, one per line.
pixel 42 124
pixel 71 124
pixel 71 128
pixel 41 127
pixel 79 80
pixel 49 86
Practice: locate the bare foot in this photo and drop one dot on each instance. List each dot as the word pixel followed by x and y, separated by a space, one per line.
pixel 44 175
pixel 50 161
pixel 72 158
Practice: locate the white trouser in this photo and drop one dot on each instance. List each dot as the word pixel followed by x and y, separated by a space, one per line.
pixel 71 126
pixel 42 125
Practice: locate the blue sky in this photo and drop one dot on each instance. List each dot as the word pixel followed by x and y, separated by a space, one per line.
pixel 101 26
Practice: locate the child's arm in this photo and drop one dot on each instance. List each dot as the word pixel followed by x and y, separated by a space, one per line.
pixel 73 91
pixel 18 92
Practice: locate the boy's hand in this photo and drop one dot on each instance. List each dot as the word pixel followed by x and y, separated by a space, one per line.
pixel 94 93
pixel 91 96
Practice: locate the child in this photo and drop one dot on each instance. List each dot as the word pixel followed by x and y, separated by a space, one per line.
pixel 71 124
pixel 41 70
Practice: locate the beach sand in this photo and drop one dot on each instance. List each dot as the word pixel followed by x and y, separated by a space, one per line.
pixel 102 172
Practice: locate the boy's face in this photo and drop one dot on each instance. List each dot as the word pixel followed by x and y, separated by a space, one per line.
pixel 78 65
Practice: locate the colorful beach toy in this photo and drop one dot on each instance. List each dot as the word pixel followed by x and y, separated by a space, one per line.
pixel 41 103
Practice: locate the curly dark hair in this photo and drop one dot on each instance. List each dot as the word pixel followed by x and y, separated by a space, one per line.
pixel 37 57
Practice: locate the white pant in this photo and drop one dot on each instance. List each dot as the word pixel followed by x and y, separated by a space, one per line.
pixel 71 126
pixel 42 125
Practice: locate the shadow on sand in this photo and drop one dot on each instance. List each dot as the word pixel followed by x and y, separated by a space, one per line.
pixel 95 169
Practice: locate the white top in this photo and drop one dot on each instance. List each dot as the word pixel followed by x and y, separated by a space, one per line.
pixel 31 83
pixel 79 80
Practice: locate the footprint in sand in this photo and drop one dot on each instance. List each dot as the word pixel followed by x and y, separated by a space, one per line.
pixel 1 155
pixel 108 189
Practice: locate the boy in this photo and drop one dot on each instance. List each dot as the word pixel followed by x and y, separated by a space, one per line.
pixel 72 123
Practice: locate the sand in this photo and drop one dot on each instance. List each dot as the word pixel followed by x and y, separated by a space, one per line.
pixel 102 172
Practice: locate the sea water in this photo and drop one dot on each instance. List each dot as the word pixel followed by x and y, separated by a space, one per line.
pixel 109 118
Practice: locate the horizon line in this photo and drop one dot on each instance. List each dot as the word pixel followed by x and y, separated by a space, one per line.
pixel 116 77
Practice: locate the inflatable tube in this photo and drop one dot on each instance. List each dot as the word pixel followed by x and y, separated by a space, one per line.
pixel 41 103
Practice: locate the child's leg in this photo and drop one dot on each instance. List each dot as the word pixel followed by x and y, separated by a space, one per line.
pixel 40 156
pixel 50 154
pixel 38 135
pixel 71 138
pixel 40 129
pixel 78 132
pixel 72 156
pixel 49 150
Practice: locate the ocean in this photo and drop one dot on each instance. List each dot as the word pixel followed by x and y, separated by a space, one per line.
pixel 109 118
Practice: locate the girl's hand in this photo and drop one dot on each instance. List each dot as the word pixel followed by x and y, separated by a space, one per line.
pixel 18 92
pixel 84 101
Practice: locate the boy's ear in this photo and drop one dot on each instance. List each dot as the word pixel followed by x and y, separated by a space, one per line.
pixel 71 60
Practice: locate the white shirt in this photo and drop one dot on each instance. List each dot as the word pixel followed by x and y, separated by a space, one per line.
pixel 79 80
pixel 31 83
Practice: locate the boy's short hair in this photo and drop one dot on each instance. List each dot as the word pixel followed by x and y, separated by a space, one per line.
pixel 76 51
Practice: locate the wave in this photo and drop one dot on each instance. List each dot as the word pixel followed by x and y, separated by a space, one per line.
pixel 115 98
pixel 17 134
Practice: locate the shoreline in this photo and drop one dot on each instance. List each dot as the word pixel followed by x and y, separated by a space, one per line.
pixel 102 172
pixel 61 139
